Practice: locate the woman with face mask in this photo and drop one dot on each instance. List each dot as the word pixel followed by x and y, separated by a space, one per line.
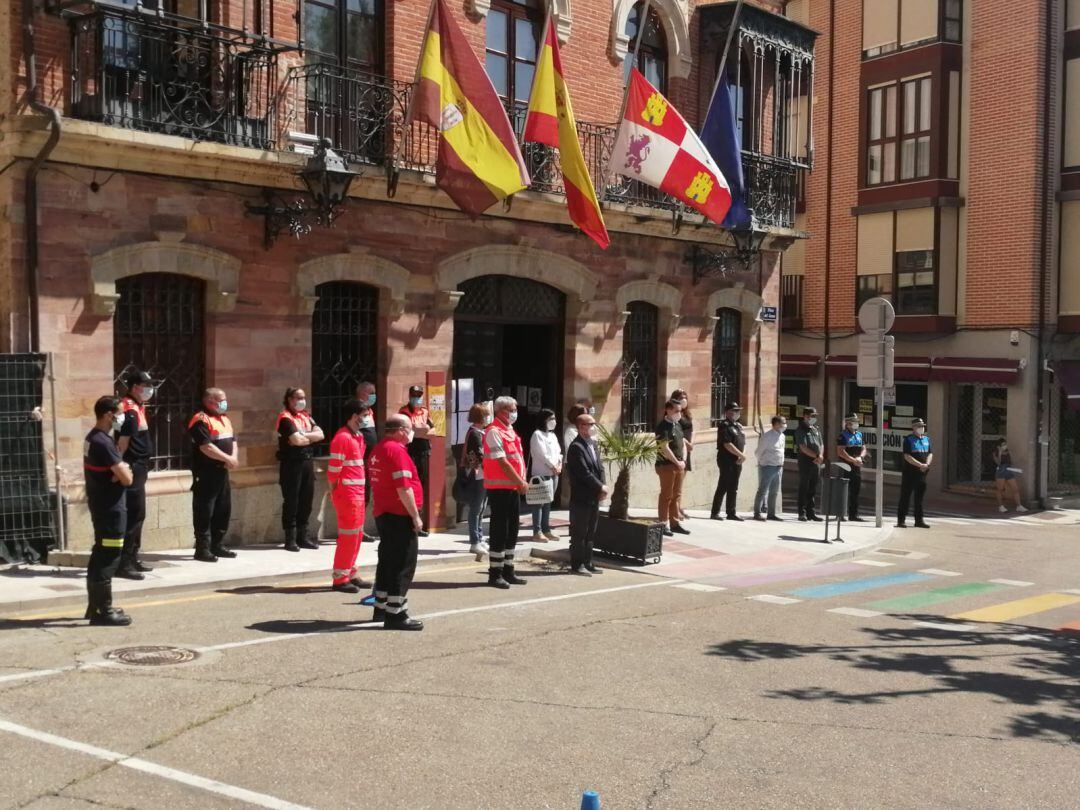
pixel 545 462
pixel 1005 478
pixel 471 475
pixel 686 422
pixel 297 434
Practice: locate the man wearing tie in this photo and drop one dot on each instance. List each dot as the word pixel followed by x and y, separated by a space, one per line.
pixel 587 489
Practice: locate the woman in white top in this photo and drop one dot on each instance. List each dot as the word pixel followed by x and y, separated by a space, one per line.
pixel 546 463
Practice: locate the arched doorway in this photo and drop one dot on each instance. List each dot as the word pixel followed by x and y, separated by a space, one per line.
pixel 508 340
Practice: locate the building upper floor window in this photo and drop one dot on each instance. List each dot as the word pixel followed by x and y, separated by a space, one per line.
pixel 890 25
pixel 345 33
pixel 898 152
pixel 653 54
pixel 513 32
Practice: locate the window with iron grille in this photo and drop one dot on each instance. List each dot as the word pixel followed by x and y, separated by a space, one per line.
pixel 159 328
pixel 344 348
pixel 639 368
pixel 727 347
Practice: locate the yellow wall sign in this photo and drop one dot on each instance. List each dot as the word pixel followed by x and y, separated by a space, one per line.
pixel 437 409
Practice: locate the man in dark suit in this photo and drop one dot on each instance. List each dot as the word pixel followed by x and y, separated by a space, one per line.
pixel 587 489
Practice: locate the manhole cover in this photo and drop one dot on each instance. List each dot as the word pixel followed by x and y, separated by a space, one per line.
pixel 151 655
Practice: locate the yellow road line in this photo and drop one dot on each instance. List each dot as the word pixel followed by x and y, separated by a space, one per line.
pixel 1020 607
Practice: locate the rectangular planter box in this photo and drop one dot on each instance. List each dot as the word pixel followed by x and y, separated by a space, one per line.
pixel 639 541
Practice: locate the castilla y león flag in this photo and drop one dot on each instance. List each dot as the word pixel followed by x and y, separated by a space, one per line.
pixel 551 121
pixel 479 162
pixel 656 146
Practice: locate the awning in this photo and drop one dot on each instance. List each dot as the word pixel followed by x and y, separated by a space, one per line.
pixel 909 369
pixel 799 365
pixel 989 370
pixel 1067 375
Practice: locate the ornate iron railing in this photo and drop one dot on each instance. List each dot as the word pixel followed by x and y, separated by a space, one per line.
pixel 771 190
pixel 140 72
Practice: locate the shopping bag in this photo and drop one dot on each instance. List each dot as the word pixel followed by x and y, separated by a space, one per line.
pixel 540 491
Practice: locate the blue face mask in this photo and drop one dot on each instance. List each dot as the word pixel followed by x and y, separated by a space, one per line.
pixel 415 401
pixel 370 400
pixel 223 406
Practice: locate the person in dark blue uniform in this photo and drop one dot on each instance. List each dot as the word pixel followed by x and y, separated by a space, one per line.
pixel 136 447
pixel 107 476
pixel 851 450
pixel 917 459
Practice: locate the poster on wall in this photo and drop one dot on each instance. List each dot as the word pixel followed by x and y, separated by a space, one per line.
pixel 437 409
pixel 535 400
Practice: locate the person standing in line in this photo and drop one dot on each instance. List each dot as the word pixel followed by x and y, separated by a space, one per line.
pixel 420 446
pixel 918 456
pixel 730 443
pixel 546 462
pixel 581 406
pixel 107 475
pixel 686 422
pixel 670 467
pixel 1005 478
pixel 586 473
pixel 297 433
pixel 808 445
pixel 471 470
pixel 504 481
pixel 851 449
pixel 216 452
pixel 397 502
pixel 136 447
pixel 346 478
pixel 770 459
pixel 365 394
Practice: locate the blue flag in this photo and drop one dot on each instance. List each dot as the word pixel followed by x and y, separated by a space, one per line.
pixel 720 134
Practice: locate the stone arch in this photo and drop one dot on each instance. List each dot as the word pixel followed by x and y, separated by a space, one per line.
pixel 676 18
pixel 739 298
pixel 663 296
pixel 390 278
pixel 219 270
pixel 553 269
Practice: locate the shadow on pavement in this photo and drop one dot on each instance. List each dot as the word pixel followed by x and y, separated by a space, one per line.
pixel 1043 669
pixel 793 539
pixel 32 624
pixel 311 626
pixel 247 590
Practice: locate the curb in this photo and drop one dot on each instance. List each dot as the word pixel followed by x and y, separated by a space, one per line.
pixel 882 536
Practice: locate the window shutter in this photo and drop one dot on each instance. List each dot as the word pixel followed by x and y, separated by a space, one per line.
pixel 875 254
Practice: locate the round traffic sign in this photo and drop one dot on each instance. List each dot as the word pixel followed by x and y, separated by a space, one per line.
pixel 877 315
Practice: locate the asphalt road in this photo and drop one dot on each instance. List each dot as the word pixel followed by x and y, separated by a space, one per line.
pixel 657 693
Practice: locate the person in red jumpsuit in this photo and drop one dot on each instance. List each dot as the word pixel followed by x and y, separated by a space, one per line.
pixel 345 475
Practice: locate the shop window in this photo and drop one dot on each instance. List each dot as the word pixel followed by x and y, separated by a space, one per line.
pixel 979 422
pixel 344 348
pixel 639 368
pixel 159 328
pixel 793 397
pixel 653 54
pixel 916 287
pixel 910 402
pixel 727 350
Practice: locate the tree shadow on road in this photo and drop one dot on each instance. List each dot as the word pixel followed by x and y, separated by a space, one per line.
pixel 1040 670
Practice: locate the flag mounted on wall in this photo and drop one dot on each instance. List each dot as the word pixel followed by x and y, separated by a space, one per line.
pixel 656 146
pixel 551 121
pixel 479 162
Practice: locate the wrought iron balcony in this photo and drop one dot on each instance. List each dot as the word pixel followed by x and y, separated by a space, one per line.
pixel 157 74
pixel 771 190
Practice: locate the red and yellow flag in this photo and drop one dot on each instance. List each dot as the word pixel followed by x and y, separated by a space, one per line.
pixel 551 121
pixel 479 162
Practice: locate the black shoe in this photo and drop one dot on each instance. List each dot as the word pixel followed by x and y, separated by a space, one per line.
pixel 204 555
pixel 110 617
pixel 508 575
pixel 814 518
pixel 803 518
pixel 921 525
pixel 402 621
pixel 578 571
pixel 668 533
pixel 715 517
pixel 592 569
pixel 774 517
pixel 422 533
pixel 139 565
pixel 758 516
pixel 128 572
pixel 307 543
pixel 344 587
pixel 292 546
pixel 736 518
pixel 677 529
pixel 368 538
pixel 221 551
pixel 495 580
pixel 858 519
pixel 359 583
pixel 901 525
pixel 378 615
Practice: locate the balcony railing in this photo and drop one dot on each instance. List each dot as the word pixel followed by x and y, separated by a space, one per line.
pixel 140 72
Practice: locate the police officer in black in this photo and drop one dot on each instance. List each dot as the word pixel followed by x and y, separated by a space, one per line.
pixel 809 446
pixel 215 454
pixel 136 447
pixel 918 455
pixel 851 450
pixel 297 434
pixel 730 443
pixel 106 477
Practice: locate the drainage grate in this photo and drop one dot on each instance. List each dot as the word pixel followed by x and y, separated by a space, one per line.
pixel 151 655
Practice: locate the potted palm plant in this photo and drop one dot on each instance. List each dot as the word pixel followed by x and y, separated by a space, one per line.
pixel 618 534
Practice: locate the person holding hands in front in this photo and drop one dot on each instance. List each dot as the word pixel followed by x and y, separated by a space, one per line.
pixel 504 482
pixel 546 461
pixel 586 473
pixel 671 468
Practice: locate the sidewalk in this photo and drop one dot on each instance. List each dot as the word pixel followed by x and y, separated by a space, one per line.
pixel 712 549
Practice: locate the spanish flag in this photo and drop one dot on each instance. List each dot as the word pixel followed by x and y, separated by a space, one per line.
pixel 479 162
pixel 551 121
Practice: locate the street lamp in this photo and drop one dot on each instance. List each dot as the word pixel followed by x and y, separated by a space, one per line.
pixel 327 178
pixel 729 259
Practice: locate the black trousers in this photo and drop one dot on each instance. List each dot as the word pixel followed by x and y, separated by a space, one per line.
pixel 297 480
pixel 583 520
pixel 211 508
pixel 809 481
pixel 135 498
pixel 854 485
pixel 109 528
pixel 727 486
pixel 911 483
pixel 422 464
pixel 398 547
pixel 503 527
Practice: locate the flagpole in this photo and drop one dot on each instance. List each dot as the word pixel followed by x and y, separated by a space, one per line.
pixel 724 56
pixel 393 172
pixel 643 20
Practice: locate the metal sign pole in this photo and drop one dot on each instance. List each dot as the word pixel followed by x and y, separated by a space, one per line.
pixel 879 482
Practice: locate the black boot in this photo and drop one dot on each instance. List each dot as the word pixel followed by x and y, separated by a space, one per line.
pixel 401 621
pixel 495 579
pixel 303 540
pixel 203 553
pixel 344 587
pixel 127 570
pixel 100 611
pixel 290 540
pixel 139 565
pixel 219 549
pixel 508 575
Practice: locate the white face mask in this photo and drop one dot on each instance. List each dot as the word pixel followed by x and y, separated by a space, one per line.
pixel 367 422
pixel 683 404
pixel 919 431
pixel 410 436
pixel 549 425
pixel 782 427
pixel 512 417
pixel 301 404
pixel 145 394
pixel 488 419
pixel 592 411
pixel 811 421
pixel 852 426
pixel 594 431
pixel 117 421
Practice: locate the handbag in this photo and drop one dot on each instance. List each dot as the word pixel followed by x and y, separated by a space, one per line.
pixel 540 491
